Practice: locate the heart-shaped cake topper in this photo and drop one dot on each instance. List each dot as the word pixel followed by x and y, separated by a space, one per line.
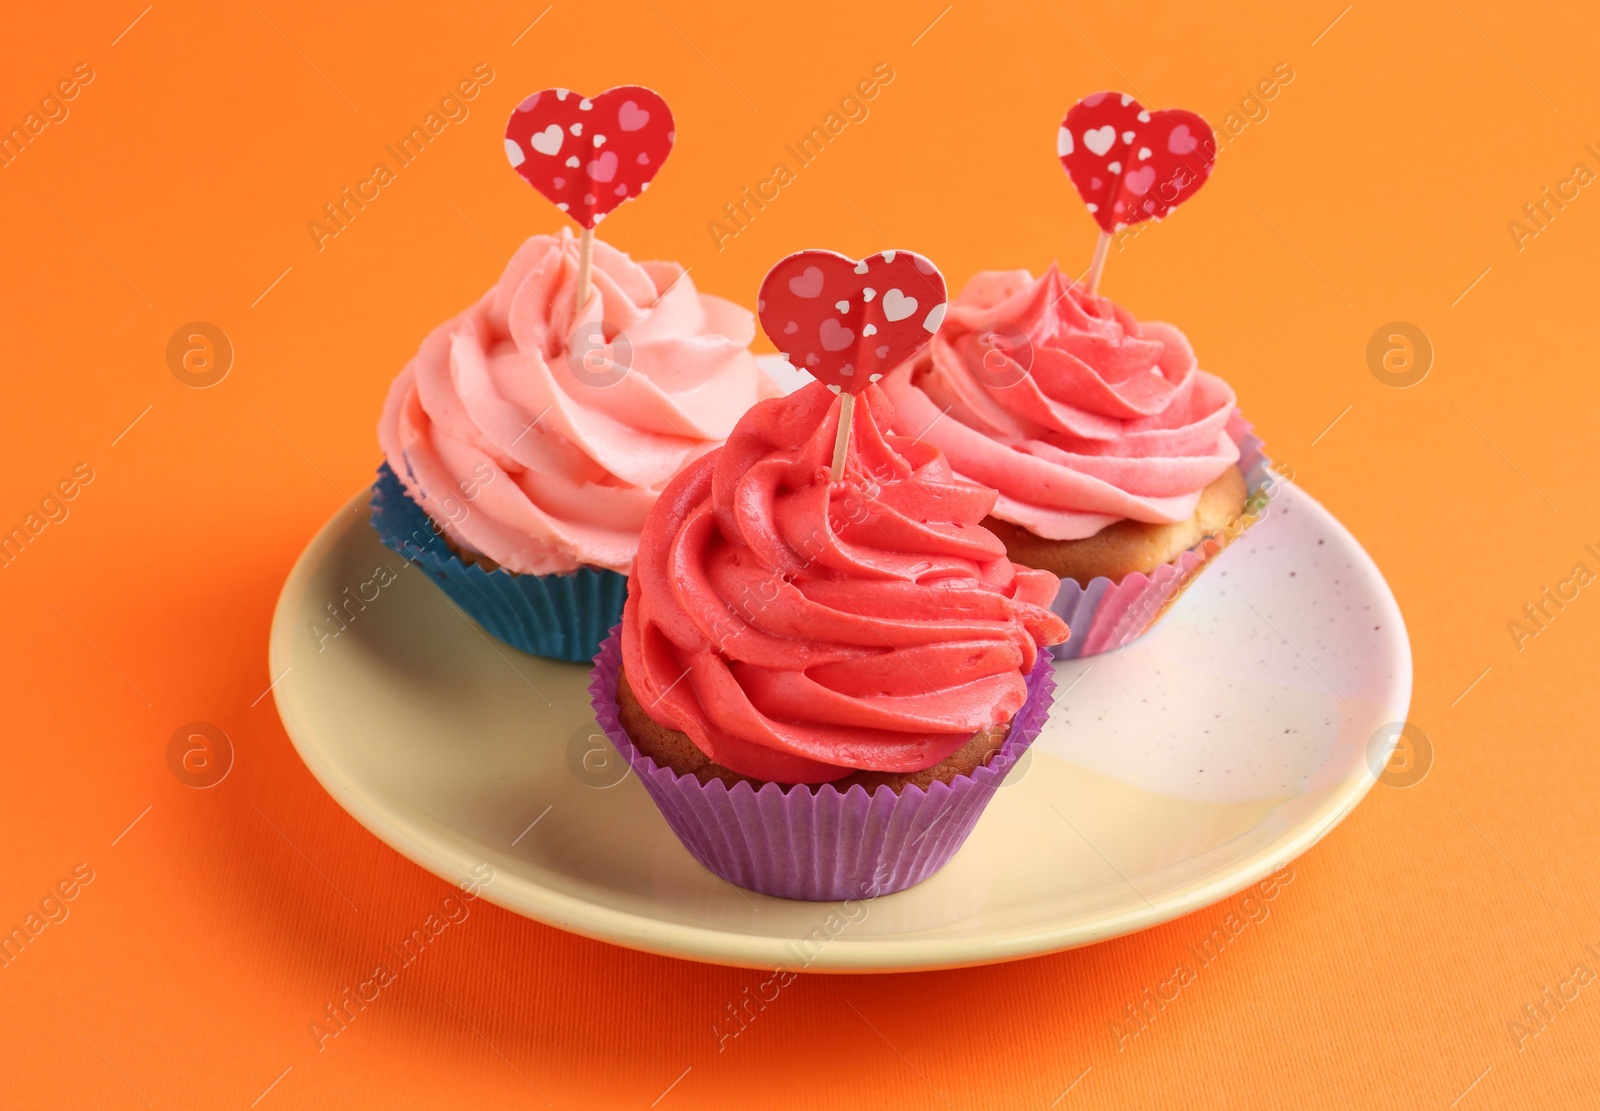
pixel 848 323
pixel 1131 164
pixel 589 154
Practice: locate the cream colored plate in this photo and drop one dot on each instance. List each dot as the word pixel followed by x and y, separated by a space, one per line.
pixel 1171 774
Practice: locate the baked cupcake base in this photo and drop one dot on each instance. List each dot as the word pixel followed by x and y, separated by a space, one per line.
pixel 673 749
pixel 1106 612
pixel 817 842
pixel 561 617
pixel 1120 549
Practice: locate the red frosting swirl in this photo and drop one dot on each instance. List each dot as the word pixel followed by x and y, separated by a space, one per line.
pixel 1096 417
pixel 798 629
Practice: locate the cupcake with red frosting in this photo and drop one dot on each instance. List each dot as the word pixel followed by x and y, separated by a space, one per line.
pixel 1120 465
pixel 528 439
pixel 822 682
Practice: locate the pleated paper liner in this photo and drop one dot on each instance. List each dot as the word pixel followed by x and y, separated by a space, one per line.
pixel 564 617
pixel 1106 615
pixel 814 841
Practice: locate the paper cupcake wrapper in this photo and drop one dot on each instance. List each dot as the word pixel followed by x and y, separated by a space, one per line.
pixel 1105 615
pixel 816 842
pixel 564 617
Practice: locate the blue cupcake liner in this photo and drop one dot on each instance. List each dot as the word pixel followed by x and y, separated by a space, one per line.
pixel 563 617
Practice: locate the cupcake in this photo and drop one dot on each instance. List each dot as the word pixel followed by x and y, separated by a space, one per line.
pixel 527 440
pixel 821 683
pixel 1120 465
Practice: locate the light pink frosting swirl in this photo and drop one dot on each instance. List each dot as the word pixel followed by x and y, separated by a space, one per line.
pixel 541 437
pixel 1110 420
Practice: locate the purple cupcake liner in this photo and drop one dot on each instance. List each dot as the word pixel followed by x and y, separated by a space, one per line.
pixel 815 842
pixel 1106 615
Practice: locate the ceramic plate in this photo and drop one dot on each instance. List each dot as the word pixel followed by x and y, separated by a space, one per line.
pixel 1172 773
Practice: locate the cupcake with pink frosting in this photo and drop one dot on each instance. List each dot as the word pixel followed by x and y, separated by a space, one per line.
pixel 528 439
pixel 1120 465
pixel 822 682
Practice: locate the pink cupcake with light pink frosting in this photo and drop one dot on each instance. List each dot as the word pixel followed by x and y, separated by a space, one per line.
pixel 1121 466
pixel 527 440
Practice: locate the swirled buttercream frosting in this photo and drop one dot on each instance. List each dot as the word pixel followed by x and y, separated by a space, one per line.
pixel 539 434
pixel 798 629
pixel 1078 414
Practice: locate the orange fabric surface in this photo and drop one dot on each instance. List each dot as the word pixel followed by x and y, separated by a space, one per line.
pixel 1380 184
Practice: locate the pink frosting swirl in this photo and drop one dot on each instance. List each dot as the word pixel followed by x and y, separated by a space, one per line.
pixel 798 629
pixel 539 436
pixel 1110 419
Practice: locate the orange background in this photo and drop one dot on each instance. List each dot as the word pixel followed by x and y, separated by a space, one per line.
pixel 1378 188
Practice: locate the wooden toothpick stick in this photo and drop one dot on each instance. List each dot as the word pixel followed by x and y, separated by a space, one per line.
pixel 1098 263
pixel 841 442
pixel 585 261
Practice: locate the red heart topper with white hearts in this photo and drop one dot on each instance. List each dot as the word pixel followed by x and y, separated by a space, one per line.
pixel 848 323
pixel 588 155
pixel 1131 164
